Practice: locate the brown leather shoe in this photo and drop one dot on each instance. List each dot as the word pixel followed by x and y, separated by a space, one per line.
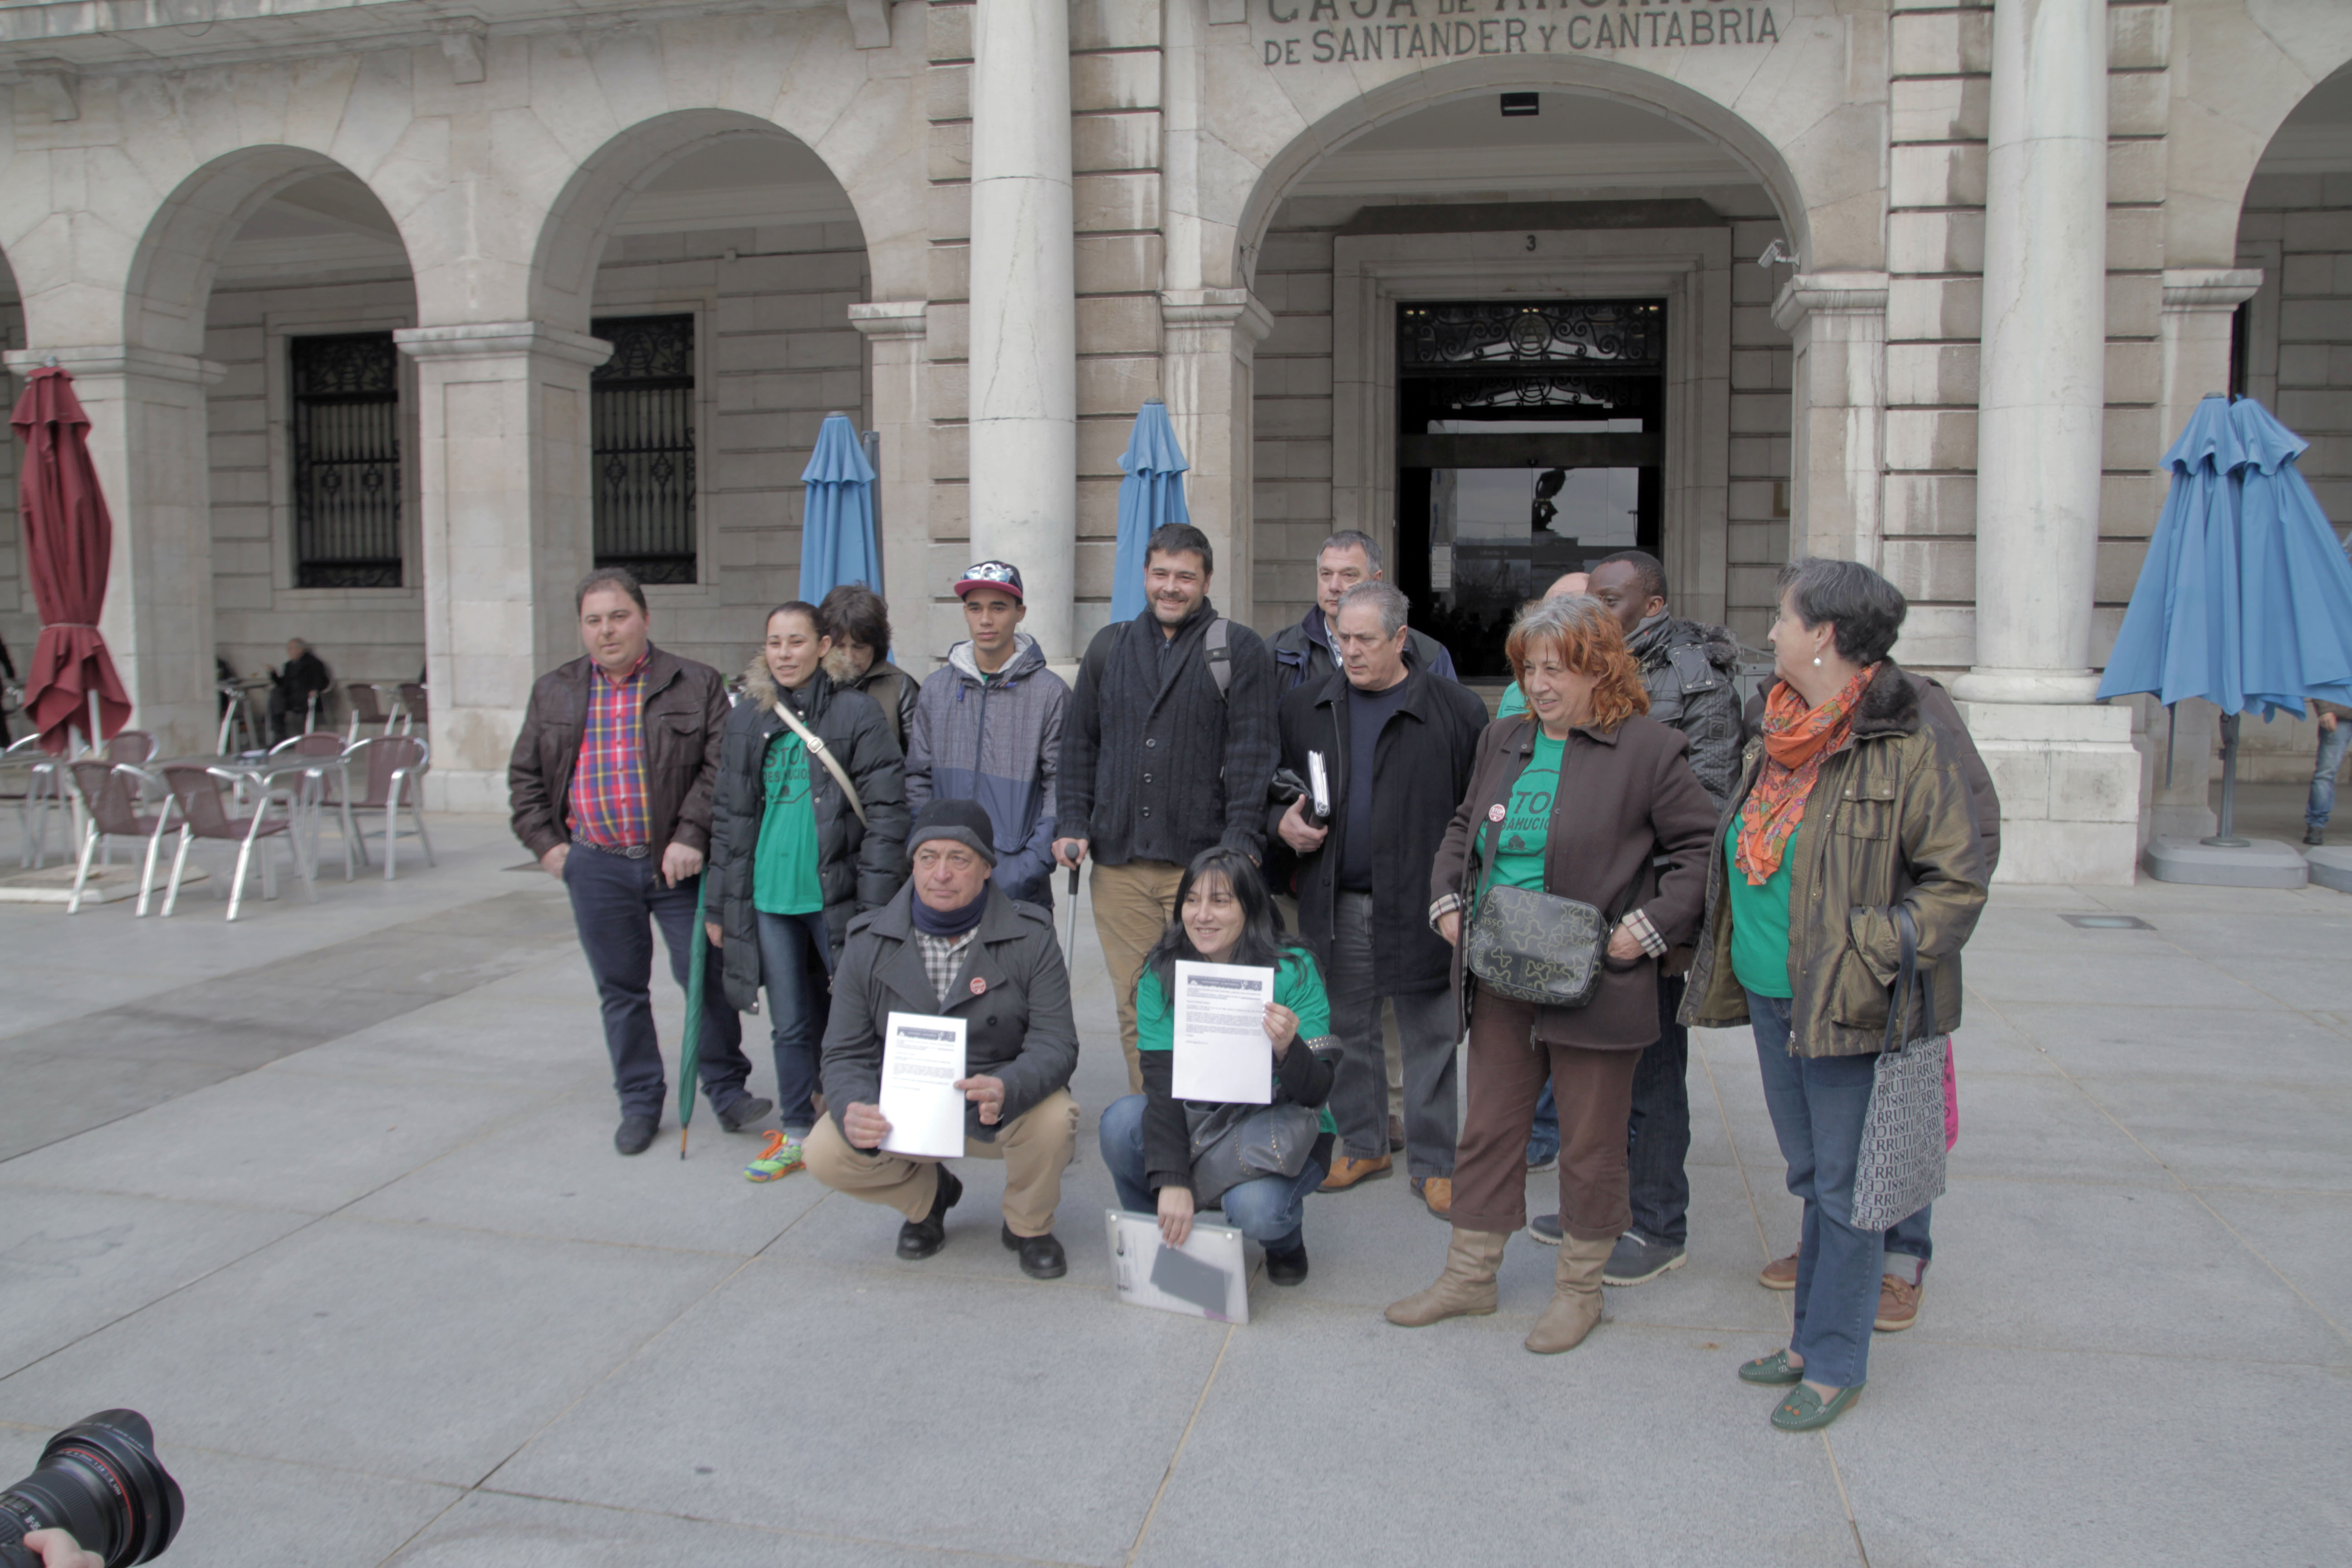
pixel 1437 1191
pixel 1899 1303
pixel 1347 1171
pixel 1780 1274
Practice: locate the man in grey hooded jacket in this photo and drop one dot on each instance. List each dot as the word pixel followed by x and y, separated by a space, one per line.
pixel 988 728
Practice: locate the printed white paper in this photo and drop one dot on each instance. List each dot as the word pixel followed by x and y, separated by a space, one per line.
pixel 922 1058
pixel 1221 1051
pixel 1206 1278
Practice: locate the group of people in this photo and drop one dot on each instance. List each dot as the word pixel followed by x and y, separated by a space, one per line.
pixel 1330 806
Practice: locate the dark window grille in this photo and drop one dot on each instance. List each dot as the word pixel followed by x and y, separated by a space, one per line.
pixel 641 423
pixel 1483 336
pixel 346 419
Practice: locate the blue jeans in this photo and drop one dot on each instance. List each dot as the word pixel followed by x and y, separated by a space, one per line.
pixel 1270 1210
pixel 798 1008
pixel 2322 805
pixel 1818 1106
pixel 612 899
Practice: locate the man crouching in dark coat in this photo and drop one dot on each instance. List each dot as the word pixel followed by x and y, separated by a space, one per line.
pixel 950 944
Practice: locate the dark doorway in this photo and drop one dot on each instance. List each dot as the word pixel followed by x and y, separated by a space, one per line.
pixel 1530 442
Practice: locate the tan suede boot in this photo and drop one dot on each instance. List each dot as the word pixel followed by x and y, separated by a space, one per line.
pixel 1575 1304
pixel 1465 1289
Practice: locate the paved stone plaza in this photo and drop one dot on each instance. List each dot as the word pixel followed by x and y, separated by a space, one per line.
pixel 331 1194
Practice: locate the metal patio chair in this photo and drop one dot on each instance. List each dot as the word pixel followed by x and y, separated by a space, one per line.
pixel 326 782
pixel 411 707
pixel 109 795
pixel 394 767
pixel 35 781
pixel 136 747
pixel 203 796
pixel 238 732
pixel 366 704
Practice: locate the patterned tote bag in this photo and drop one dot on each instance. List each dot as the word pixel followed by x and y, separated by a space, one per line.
pixel 1901 1167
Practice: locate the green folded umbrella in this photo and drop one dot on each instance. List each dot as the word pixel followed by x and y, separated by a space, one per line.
pixel 690 1056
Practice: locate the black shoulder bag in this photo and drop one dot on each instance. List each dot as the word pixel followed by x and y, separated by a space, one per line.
pixel 1539 947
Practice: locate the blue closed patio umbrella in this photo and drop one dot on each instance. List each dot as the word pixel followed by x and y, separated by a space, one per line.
pixel 1151 495
pixel 2245 598
pixel 837 514
pixel 2294 584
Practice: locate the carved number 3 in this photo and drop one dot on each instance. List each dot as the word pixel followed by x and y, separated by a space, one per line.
pixel 1532 242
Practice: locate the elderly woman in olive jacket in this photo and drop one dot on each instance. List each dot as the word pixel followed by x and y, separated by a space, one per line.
pixel 1861 796
pixel 860 863
pixel 1585 798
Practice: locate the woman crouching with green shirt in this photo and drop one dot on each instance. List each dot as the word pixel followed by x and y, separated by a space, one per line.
pixel 1223 915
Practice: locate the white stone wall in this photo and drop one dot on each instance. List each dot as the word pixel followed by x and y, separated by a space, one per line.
pixel 1291 420
pixel 774 353
pixel 1756 535
pixel 2298 229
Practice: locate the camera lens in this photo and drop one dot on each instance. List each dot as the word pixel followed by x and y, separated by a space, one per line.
pixel 99 1481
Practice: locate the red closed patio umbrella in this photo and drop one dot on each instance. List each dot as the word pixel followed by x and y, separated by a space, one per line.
pixel 69 544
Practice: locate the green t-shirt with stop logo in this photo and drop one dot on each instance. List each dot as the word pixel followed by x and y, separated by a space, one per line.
pixel 1527 820
pixel 784 864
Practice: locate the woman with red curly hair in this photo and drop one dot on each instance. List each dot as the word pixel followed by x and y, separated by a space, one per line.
pixel 1584 796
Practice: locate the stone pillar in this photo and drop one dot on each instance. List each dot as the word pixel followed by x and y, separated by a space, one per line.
pixel 1838 324
pixel 894 332
pixel 2193 337
pixel 2068 775
pixel 1023 360
pixel 148 440
pixel 502 432
pixel 1210 339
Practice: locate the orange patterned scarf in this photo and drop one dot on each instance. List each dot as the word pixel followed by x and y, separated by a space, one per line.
pixel 1796 740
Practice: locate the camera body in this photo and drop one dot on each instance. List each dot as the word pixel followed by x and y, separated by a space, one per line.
pixel 99 1481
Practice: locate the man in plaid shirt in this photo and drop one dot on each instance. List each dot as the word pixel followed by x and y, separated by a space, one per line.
pixel 610 784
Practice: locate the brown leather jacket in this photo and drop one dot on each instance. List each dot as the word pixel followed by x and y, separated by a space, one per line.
pixel 685 715
pixel 1626 796
pixel 1904 812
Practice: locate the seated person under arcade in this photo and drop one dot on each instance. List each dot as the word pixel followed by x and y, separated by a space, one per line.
pixel 1223 915
pixel 951 945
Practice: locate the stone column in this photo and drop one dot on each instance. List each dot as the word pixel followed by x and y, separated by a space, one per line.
pixel 1210 339
pixel 2068 775
pixel 1837 321
pixel 894 332
pixel 502 425
pixel 148 440
pixel 1023 360
pixel 2193 336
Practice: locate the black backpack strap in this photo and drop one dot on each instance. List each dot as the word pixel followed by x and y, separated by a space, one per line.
pixel 1215 649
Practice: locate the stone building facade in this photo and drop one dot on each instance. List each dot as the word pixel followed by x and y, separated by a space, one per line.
pixel 392 318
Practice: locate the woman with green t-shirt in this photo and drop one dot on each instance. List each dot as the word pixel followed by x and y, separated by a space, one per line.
pixel 1585 797
pixel 793 858
pixel 1862 800
pixel 1223 915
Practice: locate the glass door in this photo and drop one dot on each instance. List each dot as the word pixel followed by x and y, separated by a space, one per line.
pixel 1530 444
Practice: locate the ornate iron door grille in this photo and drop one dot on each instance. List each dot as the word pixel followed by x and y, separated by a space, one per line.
pixel 1481 337
pixel 346 419
pixel 641 429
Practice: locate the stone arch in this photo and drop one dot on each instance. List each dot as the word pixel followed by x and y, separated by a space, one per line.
pixel 571 240
pixel 1587 75
pixel 170 281
pixel 2222 116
